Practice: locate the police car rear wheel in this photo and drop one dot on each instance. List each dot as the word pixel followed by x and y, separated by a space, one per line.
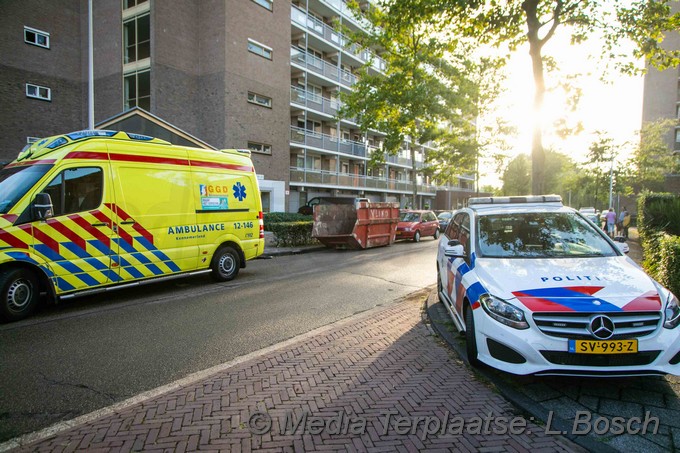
pixel 470 337
pixel 19 293
pixel 225 265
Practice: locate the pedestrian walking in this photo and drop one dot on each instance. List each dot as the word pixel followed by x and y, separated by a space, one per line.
pixel 626 222
pixel 611 221
pixel 619 222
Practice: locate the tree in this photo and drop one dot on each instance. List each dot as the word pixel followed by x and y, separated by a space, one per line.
pixel 517 176
pixel 512 23
pixel 423 95
pixel 653 158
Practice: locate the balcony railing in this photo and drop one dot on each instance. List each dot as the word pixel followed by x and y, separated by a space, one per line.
pixel 341 7
pixel 331 178
pixel 326 142
pixel 319 66
pixel 321 29
pixel 314 101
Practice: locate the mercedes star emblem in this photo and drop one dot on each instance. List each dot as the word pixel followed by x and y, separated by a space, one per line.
pixel 602 327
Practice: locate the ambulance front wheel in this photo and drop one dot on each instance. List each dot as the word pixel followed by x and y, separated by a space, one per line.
pixel 225 264
pixel 19 292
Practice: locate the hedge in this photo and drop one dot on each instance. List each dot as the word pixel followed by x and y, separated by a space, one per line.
pixel 659 228
pixel 290 229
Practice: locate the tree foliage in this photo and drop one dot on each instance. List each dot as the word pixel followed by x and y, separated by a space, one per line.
pixel 630 31
pixel 424 94
pixel 652 158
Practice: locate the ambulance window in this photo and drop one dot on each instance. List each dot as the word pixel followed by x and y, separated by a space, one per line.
pixel 76 190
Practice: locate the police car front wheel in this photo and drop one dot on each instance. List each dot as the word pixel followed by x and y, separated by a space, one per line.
pixel 225 264
pixel 19 294
pixel 470 337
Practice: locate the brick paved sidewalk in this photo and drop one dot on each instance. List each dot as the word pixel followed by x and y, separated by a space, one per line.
pixel 343 377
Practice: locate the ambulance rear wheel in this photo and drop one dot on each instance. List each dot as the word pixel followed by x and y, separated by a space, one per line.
pixel 225 264
pixel 18 294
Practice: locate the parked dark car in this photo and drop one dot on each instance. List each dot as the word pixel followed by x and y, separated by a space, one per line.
pixel 416 224
pixel 444 218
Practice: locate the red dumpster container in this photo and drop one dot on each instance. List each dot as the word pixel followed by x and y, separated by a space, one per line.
pixel 356 226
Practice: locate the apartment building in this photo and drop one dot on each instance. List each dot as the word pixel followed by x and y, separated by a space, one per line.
pixel 259 74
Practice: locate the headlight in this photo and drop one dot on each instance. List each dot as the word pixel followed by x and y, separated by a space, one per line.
pixel 504 312
pixel 407 229
pixel 672 312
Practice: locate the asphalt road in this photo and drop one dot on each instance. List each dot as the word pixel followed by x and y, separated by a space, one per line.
pixel 91 352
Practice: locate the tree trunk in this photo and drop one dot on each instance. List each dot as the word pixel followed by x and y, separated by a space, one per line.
pixel 535 45
pixel 414 176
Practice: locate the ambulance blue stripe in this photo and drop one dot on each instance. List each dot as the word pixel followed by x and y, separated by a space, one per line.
pixel 112 275
pixel 145 243
pixel 475 291
pixel 78 273
pixel 64 285
pixel 155 269
pixel 75 249
pixel 167 261
pixel 99 245
pixel 47 252
pixel 571 299
pixel 94 262
pixel 141 258
pixel 127 267
pixel 124 245
pixel 19 256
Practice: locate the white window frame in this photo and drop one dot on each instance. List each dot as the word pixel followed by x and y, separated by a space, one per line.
pixel 30 140
pixel 677 136
pixel 37 33
pixel 33 92
pixel 260 148
pixel 266 4
pixel 259 99
pixel 260 49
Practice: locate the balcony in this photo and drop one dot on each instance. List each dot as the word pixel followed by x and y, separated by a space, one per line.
pixel 315 64
pixel 359 182
pixel 326 142
pixel 314 101
pixel 326 32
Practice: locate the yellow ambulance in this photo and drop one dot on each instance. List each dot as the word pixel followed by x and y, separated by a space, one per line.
pixel 93 210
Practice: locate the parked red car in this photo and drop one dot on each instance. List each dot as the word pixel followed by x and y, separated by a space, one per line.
pixel 416 224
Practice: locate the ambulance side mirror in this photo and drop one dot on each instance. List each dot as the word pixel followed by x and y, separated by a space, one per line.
pixel 42 206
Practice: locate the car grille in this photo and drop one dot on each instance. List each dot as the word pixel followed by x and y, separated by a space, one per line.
pixel 575 325
pixel 567 358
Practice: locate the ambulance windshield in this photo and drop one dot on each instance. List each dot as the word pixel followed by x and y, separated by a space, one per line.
pixel 16 181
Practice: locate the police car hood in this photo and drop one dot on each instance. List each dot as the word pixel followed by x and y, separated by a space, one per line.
pixel 608 284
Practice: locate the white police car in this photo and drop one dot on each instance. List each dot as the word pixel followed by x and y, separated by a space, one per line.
pixel 538 289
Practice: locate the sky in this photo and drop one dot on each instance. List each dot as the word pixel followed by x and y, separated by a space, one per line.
pixel 614 108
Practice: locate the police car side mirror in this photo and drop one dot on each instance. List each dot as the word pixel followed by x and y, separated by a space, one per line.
pixel 454 249
pixel 42 206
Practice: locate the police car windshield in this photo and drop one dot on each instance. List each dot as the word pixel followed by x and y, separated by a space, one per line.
pixel 16 181
pixel 539 235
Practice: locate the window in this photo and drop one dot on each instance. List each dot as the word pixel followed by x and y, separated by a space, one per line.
pixel 76 190
pixel 314 93
pixel 137 90
pixel 137 38
pixel 265 3
pixel 266 201
pixel 259 49
pixel 38 92
pixel 258 99
pixel 36 37
pixel 677 136
pixel 132 3
pixel 261 148
pixel 30 140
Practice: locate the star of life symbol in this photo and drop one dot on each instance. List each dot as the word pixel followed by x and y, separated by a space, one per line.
pixel 239 191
